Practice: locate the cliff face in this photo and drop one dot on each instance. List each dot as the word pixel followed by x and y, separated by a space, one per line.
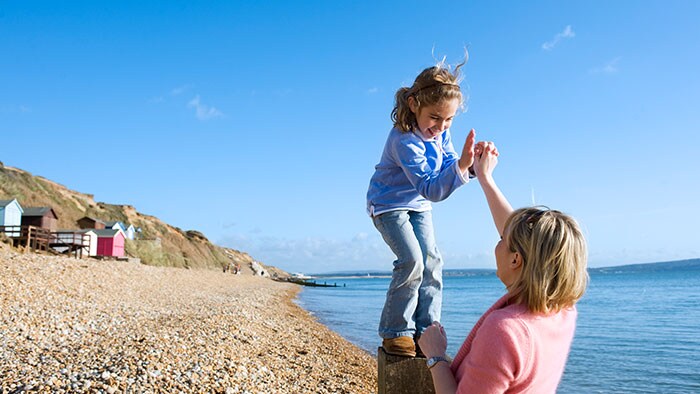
pixel 158 243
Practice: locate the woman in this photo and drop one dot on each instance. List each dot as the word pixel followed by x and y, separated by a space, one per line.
pixel 522 342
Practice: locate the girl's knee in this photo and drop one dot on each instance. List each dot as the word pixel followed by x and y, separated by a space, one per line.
pixel 408 273
pixel 409 265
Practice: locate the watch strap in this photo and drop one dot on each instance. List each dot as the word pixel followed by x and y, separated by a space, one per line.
pixel 433 361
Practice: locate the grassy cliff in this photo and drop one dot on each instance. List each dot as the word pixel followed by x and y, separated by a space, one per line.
pixel 159 243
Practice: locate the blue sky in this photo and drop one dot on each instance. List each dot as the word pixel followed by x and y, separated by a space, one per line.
pixel 259 123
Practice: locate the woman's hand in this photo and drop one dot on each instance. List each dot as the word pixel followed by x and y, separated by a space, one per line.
pixel 433 341
pixel 486 159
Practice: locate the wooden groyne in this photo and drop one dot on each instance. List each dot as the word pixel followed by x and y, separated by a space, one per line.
pixel 311 283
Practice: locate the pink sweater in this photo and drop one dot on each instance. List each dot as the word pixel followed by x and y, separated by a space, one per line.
pixel 511 350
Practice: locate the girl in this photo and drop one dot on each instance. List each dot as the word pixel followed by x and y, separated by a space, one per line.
pixel 418 165
pixel 522 342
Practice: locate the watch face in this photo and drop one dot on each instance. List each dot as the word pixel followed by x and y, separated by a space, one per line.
pixel 434 360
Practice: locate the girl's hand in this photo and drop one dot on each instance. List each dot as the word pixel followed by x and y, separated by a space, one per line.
pixel 433 341
pixel 467 158
pixel 486 159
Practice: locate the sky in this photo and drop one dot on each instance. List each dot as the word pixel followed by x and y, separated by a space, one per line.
pixel 260 123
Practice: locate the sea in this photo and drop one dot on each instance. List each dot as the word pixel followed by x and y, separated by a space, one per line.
pixel 638 326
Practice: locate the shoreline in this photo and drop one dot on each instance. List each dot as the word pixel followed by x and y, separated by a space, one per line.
pixel 86 325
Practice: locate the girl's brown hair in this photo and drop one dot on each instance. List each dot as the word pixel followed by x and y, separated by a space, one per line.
pixel 432 86
pixel 554 257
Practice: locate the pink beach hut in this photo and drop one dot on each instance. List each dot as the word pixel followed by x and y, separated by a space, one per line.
pixel 110 242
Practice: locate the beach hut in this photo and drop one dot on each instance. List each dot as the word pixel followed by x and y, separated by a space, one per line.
pixel 11 215
pixel 130 231
pixel 110 242
pixel 115 225
pixel 92 249
pixel 44 217
pixel 88 222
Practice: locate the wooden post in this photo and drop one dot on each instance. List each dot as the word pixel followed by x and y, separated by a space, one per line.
pixel 30 245
pixel 402 375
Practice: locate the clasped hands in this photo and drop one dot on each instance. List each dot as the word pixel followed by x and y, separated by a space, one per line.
pixel 483 155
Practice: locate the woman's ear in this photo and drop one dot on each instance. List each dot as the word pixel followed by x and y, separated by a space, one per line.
pixel 412 104
pixel 517 261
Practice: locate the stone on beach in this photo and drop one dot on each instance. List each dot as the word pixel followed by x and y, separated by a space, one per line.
pixel 84 326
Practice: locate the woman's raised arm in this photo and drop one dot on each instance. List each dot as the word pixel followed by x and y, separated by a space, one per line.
pixel 486 159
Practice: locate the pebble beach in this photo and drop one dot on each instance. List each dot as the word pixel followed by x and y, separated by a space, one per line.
pixel 70 325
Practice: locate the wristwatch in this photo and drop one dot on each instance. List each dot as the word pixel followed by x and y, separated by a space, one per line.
pixel 432 361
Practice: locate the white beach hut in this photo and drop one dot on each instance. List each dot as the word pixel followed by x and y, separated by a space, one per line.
pixel 11 215
pixel 130 231
pixel 115 225
pixel 92 249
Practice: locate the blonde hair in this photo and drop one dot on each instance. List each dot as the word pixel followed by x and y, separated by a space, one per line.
pixel 432 86
pixel 554 258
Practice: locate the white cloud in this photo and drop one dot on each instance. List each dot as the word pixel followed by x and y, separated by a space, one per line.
pixel 315 255
pixel 566 33
pixel 609 68
pixel 372 90
pixel 203 111
pixel 360 236
pixel 173 92
pixel 362 252
pixel 180 89
pixel 483 259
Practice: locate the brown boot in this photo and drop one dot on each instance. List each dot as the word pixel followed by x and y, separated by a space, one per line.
pixel 400 346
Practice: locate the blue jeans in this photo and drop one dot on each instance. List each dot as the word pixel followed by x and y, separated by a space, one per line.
pixel 414 298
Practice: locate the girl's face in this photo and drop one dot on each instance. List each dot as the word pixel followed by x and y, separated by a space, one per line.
pixel 434 119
